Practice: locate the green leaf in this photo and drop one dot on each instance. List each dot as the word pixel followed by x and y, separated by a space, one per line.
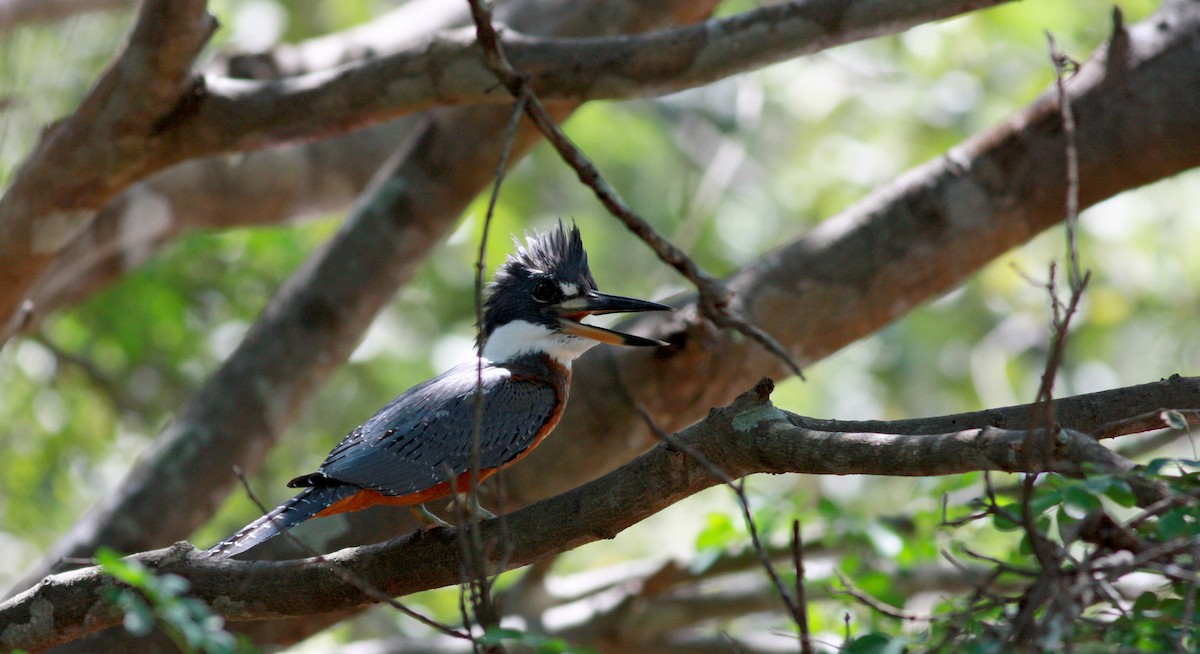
pixel 1176 524
pixel 1002 520
pixel 703 559
pixel 543 644
pixel 1175 420
pixel 1147 601
pixel 876 643
pixel 1121 493
pixel 1066 523
pixel 139 618
pixel 494 635
pixel 1084 497
pixel 718 533
pixel 1025 547
pixel 1155 466
pixel 1045 499
pixel 130 572
pixel 172 585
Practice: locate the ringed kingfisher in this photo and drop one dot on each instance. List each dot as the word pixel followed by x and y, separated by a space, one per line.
pixel 418 447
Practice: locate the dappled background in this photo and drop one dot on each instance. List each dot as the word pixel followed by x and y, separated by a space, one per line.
pixel 728 171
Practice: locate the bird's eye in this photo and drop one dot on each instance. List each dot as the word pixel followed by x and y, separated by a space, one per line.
pixel 546 291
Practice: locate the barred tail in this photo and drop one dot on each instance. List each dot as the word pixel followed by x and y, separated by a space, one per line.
pixel 308 503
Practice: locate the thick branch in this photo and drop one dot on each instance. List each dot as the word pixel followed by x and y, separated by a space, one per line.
pixel 1087 413
pixel 905 244
pixel 449 70
pixel 861 269
pixel 311 325
pixel 385 35
pixel 266 187
pixel 864 268
pixel 81 162
pixel 14 13
pixel 749 436
pixel 227 114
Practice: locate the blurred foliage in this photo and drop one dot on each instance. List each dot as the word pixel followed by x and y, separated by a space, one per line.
pixel 149 601
pixel 727 171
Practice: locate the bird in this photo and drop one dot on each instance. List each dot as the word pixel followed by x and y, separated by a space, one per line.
pixel 418 448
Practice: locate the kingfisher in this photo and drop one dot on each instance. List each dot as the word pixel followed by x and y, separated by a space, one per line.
pixel 418 448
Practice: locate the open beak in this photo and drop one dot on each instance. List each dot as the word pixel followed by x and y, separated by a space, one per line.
pixel 573 310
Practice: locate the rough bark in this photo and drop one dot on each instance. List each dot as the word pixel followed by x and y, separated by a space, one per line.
pixel 15 13
pixel 310 326
pixel 1137 108
pixel 907 243
pixel 446 69
pixel 82 161
pixel 749 436
pixel 212 114
pixel 265 382
pixel 1136 104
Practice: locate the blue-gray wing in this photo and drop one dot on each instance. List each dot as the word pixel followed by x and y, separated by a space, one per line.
pixel 424 436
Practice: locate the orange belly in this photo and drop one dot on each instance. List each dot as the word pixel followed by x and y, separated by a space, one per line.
pixel 366 498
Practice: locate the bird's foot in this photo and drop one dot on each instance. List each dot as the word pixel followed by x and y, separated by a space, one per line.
pixel 427 519
pixel 470 503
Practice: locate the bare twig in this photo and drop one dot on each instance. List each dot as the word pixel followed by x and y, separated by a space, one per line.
pixel 876 605
pixel 1054 601
pixel 1064 68
pixel 478 580
pixel 1000 564
pixel 1189 605
pixel 1161 419
pixel 714 298
pixel 801 598
pixel 739 490
pixel 1158 508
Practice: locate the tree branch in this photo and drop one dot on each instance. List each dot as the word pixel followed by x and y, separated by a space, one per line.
pixel 448 69
pixel 1093 413
pixel 311 325
pixel 15 13
pixel 81 162
pixel 867 266
pixel 223 114
pixel 860 270
pixel 749 436
pixel 903 245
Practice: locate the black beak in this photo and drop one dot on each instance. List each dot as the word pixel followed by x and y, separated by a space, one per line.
pixel 572 310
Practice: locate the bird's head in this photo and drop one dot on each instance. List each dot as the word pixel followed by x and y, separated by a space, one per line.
pixel 541 294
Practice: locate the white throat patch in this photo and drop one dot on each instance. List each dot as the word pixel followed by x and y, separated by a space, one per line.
pixel 520 337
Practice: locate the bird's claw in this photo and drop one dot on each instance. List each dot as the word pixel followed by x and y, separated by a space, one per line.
pixel 472 507
pixel 427 519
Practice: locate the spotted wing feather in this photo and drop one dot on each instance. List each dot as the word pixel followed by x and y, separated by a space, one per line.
pixel 424 436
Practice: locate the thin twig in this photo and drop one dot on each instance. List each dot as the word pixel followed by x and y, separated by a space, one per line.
pixel 876 605
pixel 738 488
pixel 1001 565
pixel 1044 603
pixel 1160 507
pixel 958 522
pixel 801 598
pixel 345 574
pixel 1189 606
pixel 1065 68
pixel 714 298
pixel 478 579
pixel 1146 422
